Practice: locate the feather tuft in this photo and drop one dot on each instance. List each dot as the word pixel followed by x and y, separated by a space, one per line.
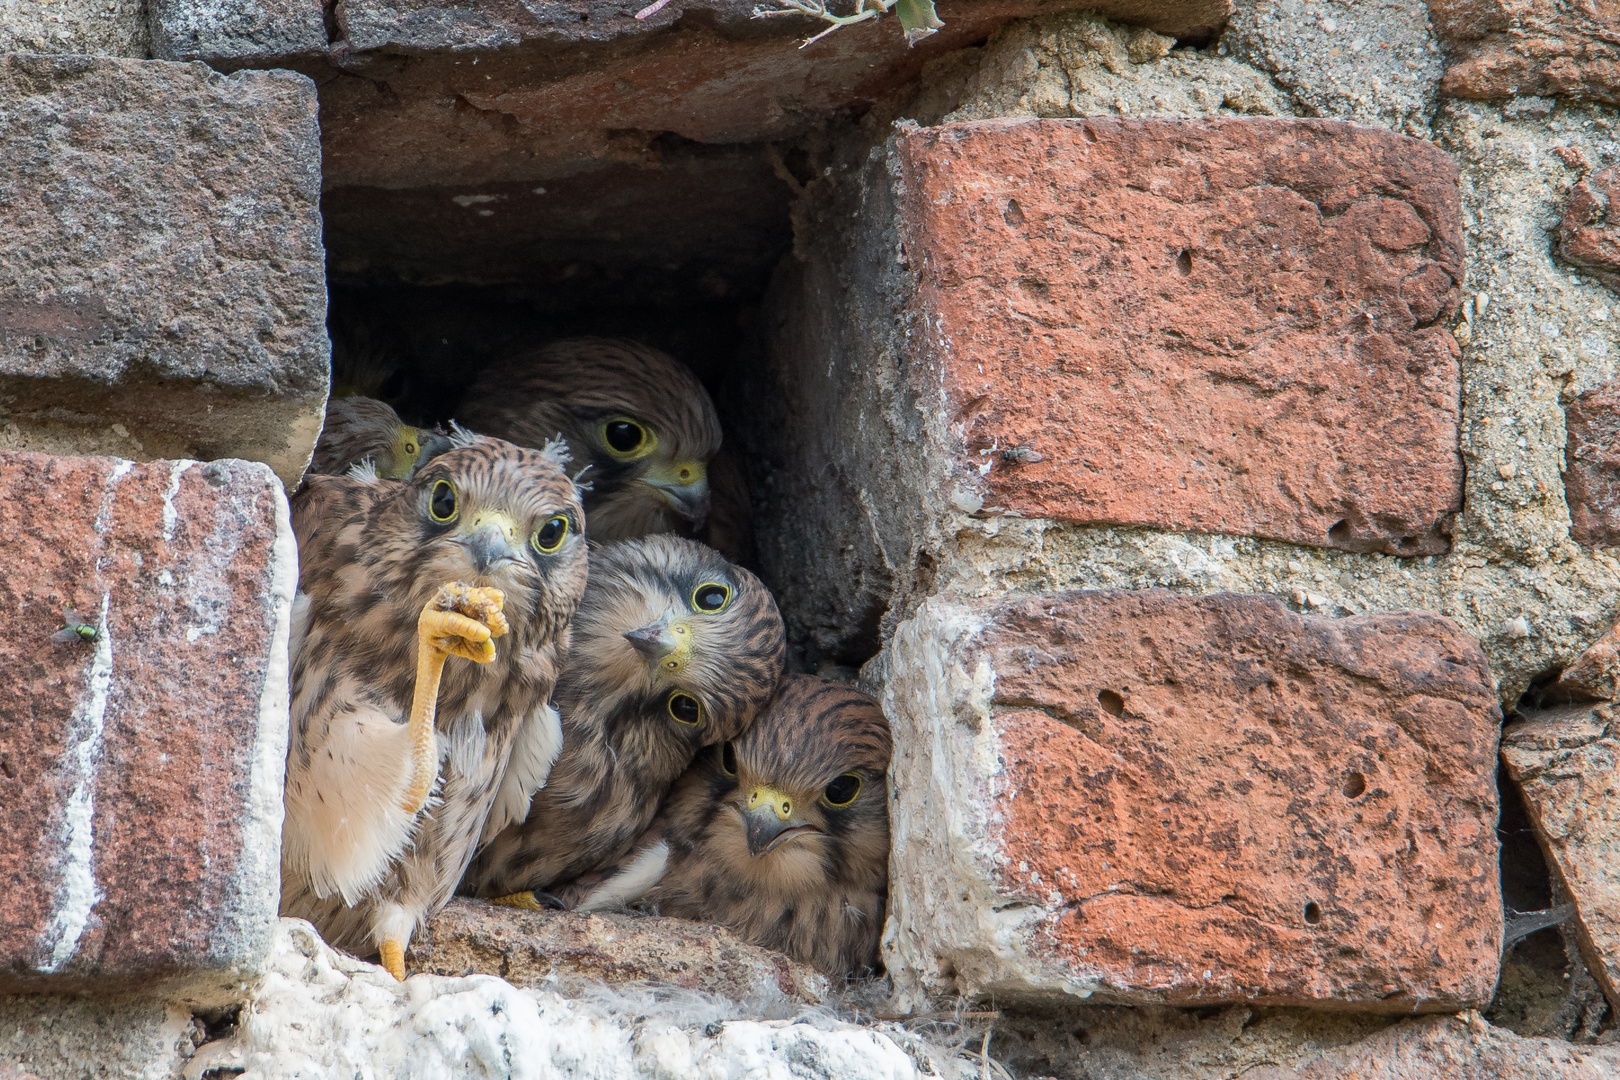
pixel 556 450
pixel 460 437
pixel 365 471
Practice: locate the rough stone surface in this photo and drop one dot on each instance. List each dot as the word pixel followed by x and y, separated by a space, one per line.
pixel 1521 48
pixel 1153 798
pixel 552 948
pixel 1592 466
pixel 1374 62
pixel 321 1013
pixel 1278 370
pixel 91 27
pixel 50 1037
pixel 1595 674
pixel 140 773
pixel 1079 64
pixel 1095 1043
pixel 161 268
pixel 1586 237
pixel 932 267
pixel 1567 762
pixel 236 33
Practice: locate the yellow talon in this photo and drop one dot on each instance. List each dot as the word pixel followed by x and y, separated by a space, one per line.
pixel 524 900
pixel 393 958
pixel 459 621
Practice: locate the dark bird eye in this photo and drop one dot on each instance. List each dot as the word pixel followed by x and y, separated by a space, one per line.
pixel 728 759
pixel 549 537
pixel 624 436
pixel 442 506
pixel 685 709
pixel 842 791
pixel 410 448
pixel 710 596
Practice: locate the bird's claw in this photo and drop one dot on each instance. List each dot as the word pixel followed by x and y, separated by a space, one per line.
pixel 524 901
pixel 392 953
pixel 461 620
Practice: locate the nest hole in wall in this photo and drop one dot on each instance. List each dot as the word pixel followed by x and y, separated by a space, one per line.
pixel 430 285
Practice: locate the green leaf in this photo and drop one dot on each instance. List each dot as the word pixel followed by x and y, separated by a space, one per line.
pixel 917 19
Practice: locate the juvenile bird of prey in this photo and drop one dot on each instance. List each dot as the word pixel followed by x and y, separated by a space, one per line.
pixel 781 834
pixel 639 418
pixel 360 429
pixel 478 560
pixel 673 649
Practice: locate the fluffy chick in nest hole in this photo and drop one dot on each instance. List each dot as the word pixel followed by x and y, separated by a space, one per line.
pixel 781 834
pixel 674 649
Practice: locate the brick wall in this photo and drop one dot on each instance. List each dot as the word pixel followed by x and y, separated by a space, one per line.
pixel 1197 423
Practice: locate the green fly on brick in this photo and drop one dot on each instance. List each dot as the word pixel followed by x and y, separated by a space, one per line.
pixel 76 629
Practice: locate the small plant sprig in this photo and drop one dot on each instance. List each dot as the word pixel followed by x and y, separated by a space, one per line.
pixel 917 17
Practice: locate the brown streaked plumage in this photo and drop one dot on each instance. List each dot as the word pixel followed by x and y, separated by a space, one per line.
pixel 361 429
pixel 358 860
pixel 750 837
pixel 637 416
pixel 647 658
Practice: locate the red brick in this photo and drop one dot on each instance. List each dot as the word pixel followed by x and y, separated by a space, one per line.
pixel 1587 237
pixel 1508 48
pixel 1230 326
pixel 1592 466
pixel 143 770
pixel 1201 800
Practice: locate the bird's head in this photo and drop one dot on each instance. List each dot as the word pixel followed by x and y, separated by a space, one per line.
pixel 803 791
pixel 362 429
pixel 636 416
pixel 489 513
pixel 671 632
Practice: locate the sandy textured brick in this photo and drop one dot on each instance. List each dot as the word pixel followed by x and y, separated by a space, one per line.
pixel 162 280
pixel 1229 326
pixel 1565 760
pixel 587 950
pixel 1150 797
pixel 140 773
pixel 1592 466
pixel 237 32
pixel 1501 49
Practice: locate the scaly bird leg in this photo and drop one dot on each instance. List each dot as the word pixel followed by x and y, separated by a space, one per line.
pixel 459 621
pixel 393 958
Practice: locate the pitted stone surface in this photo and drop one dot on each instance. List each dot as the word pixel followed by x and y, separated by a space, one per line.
pixel 1567 763
pixel 1592 466
pixel 1160 798
pixel 140 773
pixel 161 268
pixel 1231 326
pixel 573 950
pixel 235 33
pixel 1522 48
pixel 1587 236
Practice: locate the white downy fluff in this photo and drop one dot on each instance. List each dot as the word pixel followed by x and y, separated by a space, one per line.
pixel 320 1014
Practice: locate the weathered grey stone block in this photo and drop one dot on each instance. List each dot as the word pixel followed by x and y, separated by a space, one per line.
pixel 93 27
pixel 236 31
pixel 161 270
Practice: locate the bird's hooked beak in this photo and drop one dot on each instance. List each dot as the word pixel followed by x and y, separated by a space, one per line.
pixel 490 537
pixel 667 643
pixel 772 818
pixel 685 486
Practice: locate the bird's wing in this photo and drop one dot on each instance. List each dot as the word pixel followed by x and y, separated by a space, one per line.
pixel 346 823
pixel 534 748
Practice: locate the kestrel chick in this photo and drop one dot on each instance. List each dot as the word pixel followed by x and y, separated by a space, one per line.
pixel 673 649
pixel 362 429
pixel 401 584
pixel 781 834
pixel 642 421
